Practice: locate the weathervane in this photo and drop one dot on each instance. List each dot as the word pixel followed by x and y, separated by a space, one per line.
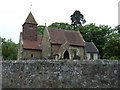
pixel 30 7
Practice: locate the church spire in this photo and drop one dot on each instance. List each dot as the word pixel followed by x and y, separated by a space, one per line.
pixel 30 19
pixel 30 28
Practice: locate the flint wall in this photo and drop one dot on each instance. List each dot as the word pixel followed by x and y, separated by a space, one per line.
pixel 62 73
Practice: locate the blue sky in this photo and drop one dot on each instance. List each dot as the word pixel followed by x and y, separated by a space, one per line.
pixel 14 12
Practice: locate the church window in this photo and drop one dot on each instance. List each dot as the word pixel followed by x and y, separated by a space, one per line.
pixel 31 55
pixel 66 55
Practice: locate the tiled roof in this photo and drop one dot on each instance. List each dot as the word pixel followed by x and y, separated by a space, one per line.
pixel 61 36
pixel 91 48
pixel 33 44
pixel 30 19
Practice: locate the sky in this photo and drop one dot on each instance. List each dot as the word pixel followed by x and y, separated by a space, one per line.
pixel 13 13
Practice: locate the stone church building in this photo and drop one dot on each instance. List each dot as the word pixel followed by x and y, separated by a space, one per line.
pixel 60 44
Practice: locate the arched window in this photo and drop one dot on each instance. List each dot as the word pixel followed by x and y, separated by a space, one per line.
pixel 66 55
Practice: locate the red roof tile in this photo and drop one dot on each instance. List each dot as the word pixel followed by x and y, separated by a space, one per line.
pixel 61 36
pixel 33 44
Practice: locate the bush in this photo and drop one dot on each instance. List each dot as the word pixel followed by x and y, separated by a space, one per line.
pixel 76 57
pixel 114 58
pixel 50 57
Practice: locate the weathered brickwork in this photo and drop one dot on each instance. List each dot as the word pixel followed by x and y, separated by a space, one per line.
pixel 62 73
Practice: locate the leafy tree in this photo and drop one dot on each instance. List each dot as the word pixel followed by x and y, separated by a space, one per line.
pixel 40 29
pixel 9 50
pixel 61 25
pixel 88 31
pixel 77 19
pixel 56 25
pixel 97 34
pixel 118 28
pixel 117 32
pixel 112 49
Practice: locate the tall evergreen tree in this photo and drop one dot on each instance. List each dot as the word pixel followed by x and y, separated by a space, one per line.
pixel 77 19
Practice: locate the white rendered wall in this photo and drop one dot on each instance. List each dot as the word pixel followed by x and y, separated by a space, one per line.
pixel 95 56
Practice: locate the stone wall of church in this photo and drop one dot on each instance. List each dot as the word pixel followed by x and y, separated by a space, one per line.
pixel 60 49
pixel 55 49
pixel 61 74
pixel 80 51
pixel 29 54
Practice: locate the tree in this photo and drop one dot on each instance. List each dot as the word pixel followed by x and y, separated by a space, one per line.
pixel 61 25
pixel 9 50
pixel 112 49
pixel 77 19
pixel 40 29
pixel 118 29
pixel 98 34
pixel 56 25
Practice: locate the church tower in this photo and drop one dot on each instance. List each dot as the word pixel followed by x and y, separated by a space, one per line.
pixel 30 28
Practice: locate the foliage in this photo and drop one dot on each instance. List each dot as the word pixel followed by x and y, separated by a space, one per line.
pixel 9 50
pixel 97 34
pixel 77 19
pixel 118 28
pixel 40 29
pixel 117 32
pixel 50 57
pixel 76 57
pixel 114 58
pixel 112 49
pixel 61 25
pixel 56 25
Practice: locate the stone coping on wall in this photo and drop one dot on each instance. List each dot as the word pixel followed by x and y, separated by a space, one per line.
pixel 98 61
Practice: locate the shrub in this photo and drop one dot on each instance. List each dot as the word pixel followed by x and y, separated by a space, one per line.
pixel 76 57
pixel 50 57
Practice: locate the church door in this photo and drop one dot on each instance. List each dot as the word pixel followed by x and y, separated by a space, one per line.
pixel 66 55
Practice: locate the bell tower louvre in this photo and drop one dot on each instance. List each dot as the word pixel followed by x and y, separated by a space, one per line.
pixel 30 28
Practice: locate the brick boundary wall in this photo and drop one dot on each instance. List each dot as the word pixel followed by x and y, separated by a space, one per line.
pixel 61 74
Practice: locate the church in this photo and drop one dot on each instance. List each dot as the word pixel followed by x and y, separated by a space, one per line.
pixel 55 43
